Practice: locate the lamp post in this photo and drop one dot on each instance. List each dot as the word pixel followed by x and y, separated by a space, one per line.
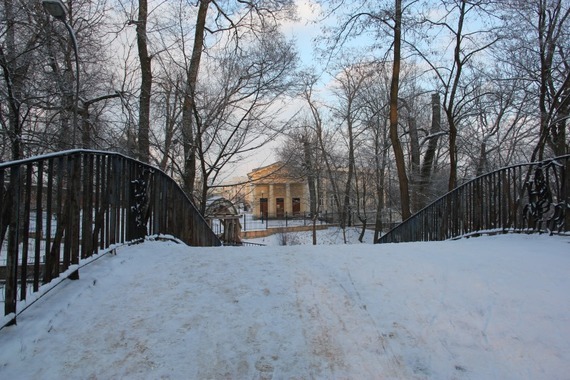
pixel 58 10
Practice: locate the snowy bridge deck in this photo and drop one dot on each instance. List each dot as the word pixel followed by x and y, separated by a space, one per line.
pixel 493 307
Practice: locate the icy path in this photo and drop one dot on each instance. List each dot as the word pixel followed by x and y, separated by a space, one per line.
pixel 494 307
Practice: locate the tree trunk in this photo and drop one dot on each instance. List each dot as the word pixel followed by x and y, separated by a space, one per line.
pixel 452 153
pixel 171 100
pixel 188 106
pixel 427 165
pixel 482 163
pixel 362 230
pixel 361 193
pixel 450 109
pixel 312 186
pixel 310 177
pixel 380 153
pixel 415 164
pixel 346 208
pixel 13 82
pixel 394 89
pixel 146 83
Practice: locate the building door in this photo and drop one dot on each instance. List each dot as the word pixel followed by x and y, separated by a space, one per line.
pixel 280 207
pixel 296 206
pixel 263 207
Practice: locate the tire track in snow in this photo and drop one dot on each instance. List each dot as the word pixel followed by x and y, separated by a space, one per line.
pixel 340 331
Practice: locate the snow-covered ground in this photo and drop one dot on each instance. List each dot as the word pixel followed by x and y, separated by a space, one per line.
pixel 330 236
pixel 481 308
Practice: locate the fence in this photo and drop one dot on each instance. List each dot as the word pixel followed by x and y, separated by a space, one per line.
pixel 251 222
pixel 265 221
pixel 527 197
pixel 60 208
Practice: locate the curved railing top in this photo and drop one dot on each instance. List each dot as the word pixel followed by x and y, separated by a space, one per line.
pixel 510 198
pixel 70 152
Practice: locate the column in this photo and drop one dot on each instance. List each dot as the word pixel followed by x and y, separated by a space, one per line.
pixel 271 202
pixel 288 200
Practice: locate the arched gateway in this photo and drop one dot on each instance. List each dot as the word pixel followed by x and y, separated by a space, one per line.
pixel 223 217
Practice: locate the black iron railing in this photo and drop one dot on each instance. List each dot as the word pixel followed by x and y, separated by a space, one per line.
pixel 58 209
pixel 263 221
pixel 531 197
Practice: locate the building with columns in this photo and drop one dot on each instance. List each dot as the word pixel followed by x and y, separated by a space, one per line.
pixel 275 192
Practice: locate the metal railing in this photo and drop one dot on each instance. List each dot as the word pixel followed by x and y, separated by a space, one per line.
pixel 59 208
pixel 532 197
pixel 263 221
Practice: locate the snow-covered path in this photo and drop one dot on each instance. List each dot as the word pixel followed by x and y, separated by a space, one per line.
pixel 492 307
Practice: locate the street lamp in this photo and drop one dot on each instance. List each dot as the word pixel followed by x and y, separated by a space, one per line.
pixel 58 10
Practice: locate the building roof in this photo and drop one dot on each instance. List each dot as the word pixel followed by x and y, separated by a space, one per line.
pixel 277 172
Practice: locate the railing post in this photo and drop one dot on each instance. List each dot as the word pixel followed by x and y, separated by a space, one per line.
pixel 53 256
pixel 74 211
pixel 565 192
pixel 49 209
pixel 25 232
pixel 11 289
pixel 67 212
pixel 39 226
pixel 87 207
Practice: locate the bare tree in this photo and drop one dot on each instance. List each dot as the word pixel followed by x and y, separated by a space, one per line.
pixel 38 62
pixel 350 82
pixel 501 122
pixel 168 107
pixel 233 20
pixel 20 36
pixel 537 46
pixel 305 167
pixel 376 108
pixel 236 109
pixel 324 144
pixel 383 19
pixel 467 43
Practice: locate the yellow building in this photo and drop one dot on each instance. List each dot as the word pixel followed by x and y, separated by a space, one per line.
pixel 276 192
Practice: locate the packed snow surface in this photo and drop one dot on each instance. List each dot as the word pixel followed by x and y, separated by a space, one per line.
pixel 481 308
